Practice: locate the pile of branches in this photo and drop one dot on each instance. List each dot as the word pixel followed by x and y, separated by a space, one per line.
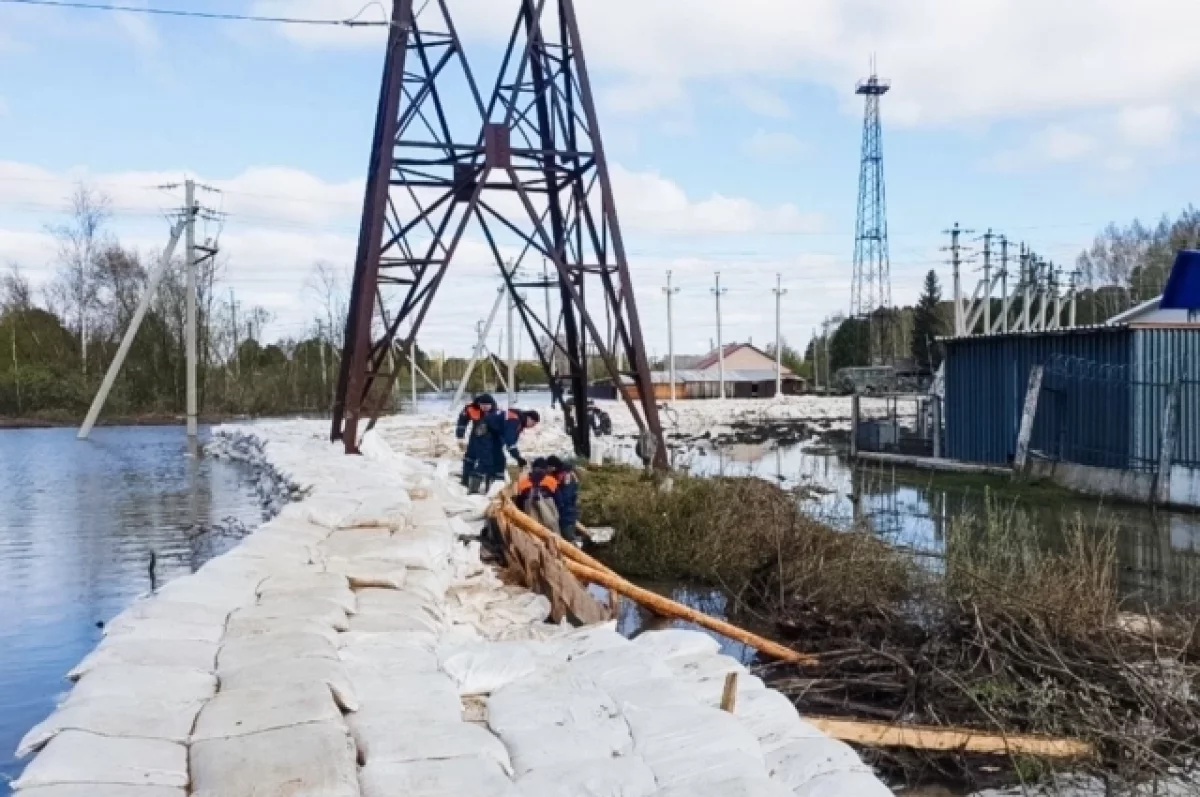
pixel 1007 636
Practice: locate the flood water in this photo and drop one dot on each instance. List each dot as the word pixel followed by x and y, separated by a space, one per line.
pixel 78 521
pixel 1158 552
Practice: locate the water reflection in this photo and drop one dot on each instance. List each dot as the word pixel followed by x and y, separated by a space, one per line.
pixel 1158 552
pixel 78 523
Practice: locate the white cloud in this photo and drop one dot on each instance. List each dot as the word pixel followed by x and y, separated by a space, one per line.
pixel 1152 126
pixel 1040 56
pixel 772 145
pixel 762 100
pixel 1057 143
pixel 281 220
pixel 638 96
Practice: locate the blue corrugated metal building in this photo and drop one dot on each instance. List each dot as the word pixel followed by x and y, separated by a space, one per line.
pixel 1102 400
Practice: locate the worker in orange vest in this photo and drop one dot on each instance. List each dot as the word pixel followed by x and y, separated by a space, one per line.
pixel 481 419
pixel 535 495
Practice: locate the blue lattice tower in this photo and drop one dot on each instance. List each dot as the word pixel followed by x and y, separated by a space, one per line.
pixel 871 291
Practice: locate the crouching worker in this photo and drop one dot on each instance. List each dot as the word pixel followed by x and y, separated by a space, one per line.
pixel 536 491
pixel 508 427
pixel 566 496
pixel 475 432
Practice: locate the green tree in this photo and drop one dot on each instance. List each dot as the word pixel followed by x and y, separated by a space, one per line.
pixel 927 324
pixel 849 347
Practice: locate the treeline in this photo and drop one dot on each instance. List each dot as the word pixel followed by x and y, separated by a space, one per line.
pixel 56 343
pixel 1123 267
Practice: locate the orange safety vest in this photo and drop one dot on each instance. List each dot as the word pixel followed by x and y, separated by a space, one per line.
pixel 474 413
pixel 525 484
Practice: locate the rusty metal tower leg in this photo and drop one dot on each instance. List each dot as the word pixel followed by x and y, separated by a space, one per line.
pixel 435 177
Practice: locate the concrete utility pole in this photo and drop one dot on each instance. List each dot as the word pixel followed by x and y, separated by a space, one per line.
pixel 480 345
pixel 955 250
pixel 670 292
pixel 190 209
pixel 123 350
pixel 779 292
pixel 1074 295
pixel 412 372
pixel 1006 300
pixel 512 356
pixel 717 291
pixel 1027 281
pixel 987 281
pixel 816 347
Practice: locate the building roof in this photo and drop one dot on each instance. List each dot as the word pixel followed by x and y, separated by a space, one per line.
pixel 712 359
pixel 692 376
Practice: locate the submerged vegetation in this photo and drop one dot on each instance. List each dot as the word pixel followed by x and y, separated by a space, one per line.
pixel 1002 634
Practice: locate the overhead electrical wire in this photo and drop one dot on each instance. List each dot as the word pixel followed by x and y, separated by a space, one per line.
pixel 349 22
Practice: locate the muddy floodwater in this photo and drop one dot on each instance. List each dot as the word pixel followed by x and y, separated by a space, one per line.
pixel 78 523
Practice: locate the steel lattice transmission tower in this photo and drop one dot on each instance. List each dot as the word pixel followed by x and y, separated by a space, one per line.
pixel 872 287
pixel 519 162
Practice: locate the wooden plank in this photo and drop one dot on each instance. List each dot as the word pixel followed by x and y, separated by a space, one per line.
pixel 665 607
pixel 729 693
pixel 882 734
pixel 1028 414
pixel 526 523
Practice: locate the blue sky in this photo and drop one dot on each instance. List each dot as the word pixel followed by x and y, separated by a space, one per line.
pixel 733 128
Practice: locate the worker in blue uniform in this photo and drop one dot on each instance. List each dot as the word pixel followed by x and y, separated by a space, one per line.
pixel 566 496
pixel 476 434
pixel 507 427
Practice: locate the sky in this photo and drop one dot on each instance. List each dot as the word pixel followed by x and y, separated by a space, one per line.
pixel 733 132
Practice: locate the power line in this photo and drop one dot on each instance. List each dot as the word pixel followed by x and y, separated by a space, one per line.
pixel 349 22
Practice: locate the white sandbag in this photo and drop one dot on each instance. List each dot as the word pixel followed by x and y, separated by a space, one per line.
pixel 590 639
pixel 394 610
pixel 735 787
pixel 163 629
pixel 554 700
pixel 772 719
pixel 282 673
pixel 844 784
pixel 703 676
pixel 150 684
pixel 423 547
pixel 627 776
pixel 799 761
pixel 694 745
pixel 398 738
pixel 295 608
pixel 374 621
pixel 127 650
pixel 246 651
pixel 157 608
pixel 389 511
pixel 483 668
pixel 227 594
pixel 114 716
pixel 276 550
pixel 388 639
pixel 538 748
pixel 249 627
pixel 313 760
pixel 86 758
pixel 422 696
pixel 616 666
pixel 456 777
pixel 461 528
pixel 363 573
pixel 102 790
pixel 398 657
pixel 674 642
pixel 327 510
pixel 651 694
pixel 316 584
pixel 291 523
pixel 238 712
pixel 432 584
pixel 357 543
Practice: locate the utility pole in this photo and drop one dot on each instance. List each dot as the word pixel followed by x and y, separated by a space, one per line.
pixel 779 292
pixel 1006 300
pixel 670 292
pixel 987 281
pixel 1073 297
pixel 816 348
pixel 512 355
pixel 1027 281
pixel 956 260
pixel 412 372
pixel 140 313
pixel 190 209
pixel 717 291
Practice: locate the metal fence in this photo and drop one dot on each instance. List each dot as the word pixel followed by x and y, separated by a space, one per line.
pixel 897 424
pixel 1105 416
